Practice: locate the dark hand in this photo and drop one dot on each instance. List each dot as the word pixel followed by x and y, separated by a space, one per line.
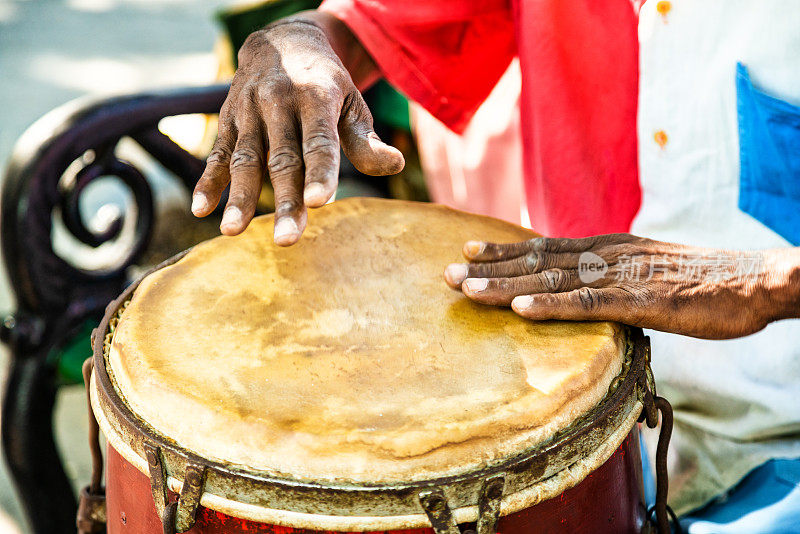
pixel 705 293
pixel 290 105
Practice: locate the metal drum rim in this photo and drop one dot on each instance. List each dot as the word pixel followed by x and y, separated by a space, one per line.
pixel 379 500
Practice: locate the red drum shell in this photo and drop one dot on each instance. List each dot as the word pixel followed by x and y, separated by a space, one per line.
pixel 609 500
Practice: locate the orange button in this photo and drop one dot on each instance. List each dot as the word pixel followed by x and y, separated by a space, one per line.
pixel 660 137
pixel 664 7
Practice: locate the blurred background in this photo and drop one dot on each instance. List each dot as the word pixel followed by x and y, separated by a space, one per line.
pixel 53 51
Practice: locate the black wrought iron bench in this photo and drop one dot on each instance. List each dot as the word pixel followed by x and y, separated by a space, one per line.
pixel 54 298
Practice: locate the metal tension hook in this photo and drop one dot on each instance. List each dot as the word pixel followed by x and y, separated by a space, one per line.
pixel 180 515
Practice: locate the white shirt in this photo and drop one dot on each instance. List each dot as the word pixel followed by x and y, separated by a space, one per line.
pixel 737 402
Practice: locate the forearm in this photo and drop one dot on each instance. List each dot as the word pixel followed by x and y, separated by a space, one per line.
pixel 781 280
pixel 351 52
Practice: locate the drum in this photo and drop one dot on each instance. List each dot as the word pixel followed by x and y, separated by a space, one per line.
pixel 338 385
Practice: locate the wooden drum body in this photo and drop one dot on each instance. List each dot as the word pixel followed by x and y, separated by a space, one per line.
pixel 609 500
pixel 574 467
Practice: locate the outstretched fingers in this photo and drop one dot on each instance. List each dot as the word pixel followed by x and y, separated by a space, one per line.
pixel 247 173
pixel 482 251
pixel 246 169
pixel 320 153
pixel 216 176
pixel 285 166
pixel 501 291
pixel 530 263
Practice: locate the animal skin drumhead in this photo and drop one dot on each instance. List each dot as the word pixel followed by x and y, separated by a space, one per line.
pixel 346 357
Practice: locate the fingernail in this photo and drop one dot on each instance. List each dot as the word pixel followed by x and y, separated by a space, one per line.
pixel 475 285
pixel 455 273
pixel 315 194
pixel 375 141
pixel 473 248
pixel 232 217
pixel 199 203
pixel 522 302
pixel 286 232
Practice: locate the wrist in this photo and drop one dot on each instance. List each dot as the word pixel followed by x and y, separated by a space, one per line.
pixel 781 280
pixel 355 58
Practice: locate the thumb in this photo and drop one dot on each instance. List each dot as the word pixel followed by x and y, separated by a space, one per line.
pixel 361 144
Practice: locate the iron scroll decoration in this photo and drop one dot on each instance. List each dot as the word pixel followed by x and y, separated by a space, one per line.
pixel 165 459
pixel 50 169
pixel 86 134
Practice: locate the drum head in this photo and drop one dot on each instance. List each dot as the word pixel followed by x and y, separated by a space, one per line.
pixel 346 358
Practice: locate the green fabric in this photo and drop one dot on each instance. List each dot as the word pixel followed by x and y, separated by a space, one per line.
pixel 387 105
pixel 239 22
pixel 70 357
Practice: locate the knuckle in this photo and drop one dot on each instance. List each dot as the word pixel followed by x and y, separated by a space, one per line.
pixel 587 243
pixel 542 244
pixel 589 299
pixel 242 200
pixel 248 90
pixel 641 297
pixel 341 78
pixel 481 270
pixel 274 87
pixel 532 261
pixel 554 279
pixel 218 156
pixel 320 142
pixel 284 161
pixel 286 207
pixel 319 90
pixel 244 158
pixel 491 251
pixel 355 108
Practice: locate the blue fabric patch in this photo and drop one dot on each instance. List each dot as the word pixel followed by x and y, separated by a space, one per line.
pixel 762 503
pixel 769 150
pixel 766 501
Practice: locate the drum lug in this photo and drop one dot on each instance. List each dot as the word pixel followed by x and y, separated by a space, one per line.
pixel 180 515
pixel 441 517
pixel 189 501
pixel 438 511
pixel 489 504
pixel 158 477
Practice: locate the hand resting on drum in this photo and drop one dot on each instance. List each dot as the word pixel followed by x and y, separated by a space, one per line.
pixel 291 103
pixel 706 293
